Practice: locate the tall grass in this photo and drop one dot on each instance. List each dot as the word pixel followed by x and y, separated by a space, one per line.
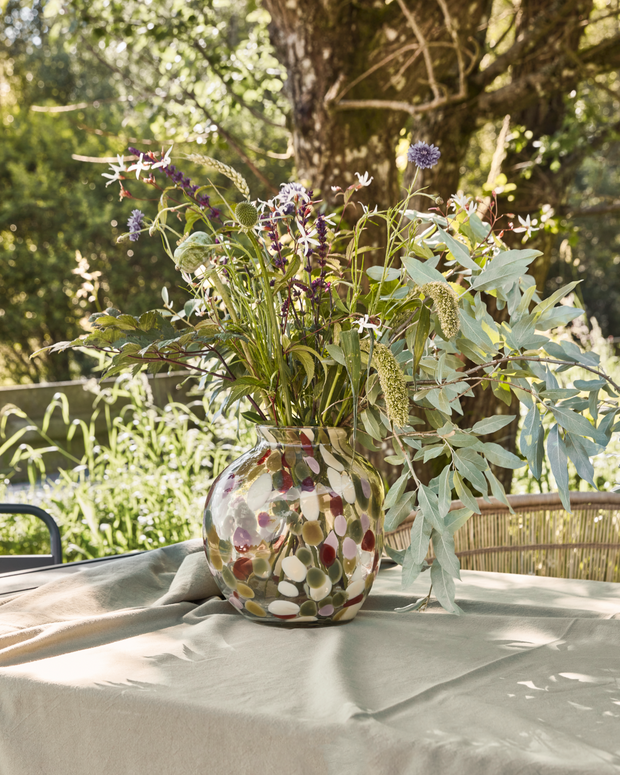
pixel 140 487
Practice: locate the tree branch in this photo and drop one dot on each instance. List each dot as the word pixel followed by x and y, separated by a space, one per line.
pixel 428 60
pixel 541 25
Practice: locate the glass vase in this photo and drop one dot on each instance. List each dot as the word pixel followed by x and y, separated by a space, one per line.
pixel 293 529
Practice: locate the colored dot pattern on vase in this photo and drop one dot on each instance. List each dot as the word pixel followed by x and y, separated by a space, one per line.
pixel 293 529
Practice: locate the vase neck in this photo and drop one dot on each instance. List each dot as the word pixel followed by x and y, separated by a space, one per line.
pixel 302 436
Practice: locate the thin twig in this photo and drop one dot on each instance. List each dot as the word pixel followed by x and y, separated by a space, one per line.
pixel 428 60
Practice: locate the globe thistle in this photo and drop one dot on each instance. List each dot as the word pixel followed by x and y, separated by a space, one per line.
pixel 446 305
pixel 393 383
pixel 228 172
pixel 423 155
pixel 247 214
pixel 290 193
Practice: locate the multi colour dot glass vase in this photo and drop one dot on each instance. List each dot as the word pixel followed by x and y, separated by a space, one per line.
pixel 293 529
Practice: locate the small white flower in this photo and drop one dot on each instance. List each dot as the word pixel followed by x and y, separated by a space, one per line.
pixel 527 226
pixel 335 188
pixel 460 200
pixel 164 161
pixel 306 238
pixel 367 211
pixel 364 324
pixel 139 166
pixel 117 169
pixel 364 180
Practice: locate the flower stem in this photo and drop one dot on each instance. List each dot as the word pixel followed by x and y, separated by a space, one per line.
pixel 286 398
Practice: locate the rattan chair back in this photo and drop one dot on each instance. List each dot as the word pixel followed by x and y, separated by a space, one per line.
pixel 540 538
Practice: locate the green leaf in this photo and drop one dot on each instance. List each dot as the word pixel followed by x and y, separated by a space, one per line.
pixel 531 441
pixel 395 491
pixel 366 441
pixel 576 423
pixel 499 456
pixel 443 546
pixel 443 587
pixel 506 267
pixel 577 453
pixel 497 488
pixel 379 273
pixel 458 250
pixel 411 570
pixel 399 513
pixel 421 272
pixel 558 460
pixel 373 428
pixel 420 537
pixel 492 424
pixel 445 492
pixel 307 361
pixel 398 555
pixel 336 353
pixel 464 493
pixel 429 504
pixel 457 518
pixel 421 336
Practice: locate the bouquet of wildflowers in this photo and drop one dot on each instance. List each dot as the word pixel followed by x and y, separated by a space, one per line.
pixel 289 309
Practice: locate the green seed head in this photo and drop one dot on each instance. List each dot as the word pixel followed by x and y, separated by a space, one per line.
pixel 446 305
pixel 393 383
pixel 247 214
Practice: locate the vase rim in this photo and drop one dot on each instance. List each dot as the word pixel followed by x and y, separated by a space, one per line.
pixel 315 434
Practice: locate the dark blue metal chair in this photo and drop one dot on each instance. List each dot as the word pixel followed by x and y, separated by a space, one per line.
pixel 15 562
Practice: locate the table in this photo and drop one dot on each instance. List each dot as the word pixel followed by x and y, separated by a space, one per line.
pixel 135 666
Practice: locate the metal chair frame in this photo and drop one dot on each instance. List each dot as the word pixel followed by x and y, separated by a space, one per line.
pixel 9 563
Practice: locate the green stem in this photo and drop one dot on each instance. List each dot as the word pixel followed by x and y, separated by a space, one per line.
pixel 275 328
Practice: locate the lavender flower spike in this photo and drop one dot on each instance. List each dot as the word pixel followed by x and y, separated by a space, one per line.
pixel 135 224
pixel 423 155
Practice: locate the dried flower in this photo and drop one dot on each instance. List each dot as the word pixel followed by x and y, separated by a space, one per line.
pixel 135 225
pixel 193 252
pixel 446 305
pixel 423 155
pixel 392 381
pixel 228 172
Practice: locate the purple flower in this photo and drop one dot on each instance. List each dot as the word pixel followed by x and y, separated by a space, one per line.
pixel 135 225
pixel 423 155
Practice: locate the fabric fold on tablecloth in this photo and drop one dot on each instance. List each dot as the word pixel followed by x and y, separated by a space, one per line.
pixel 105 601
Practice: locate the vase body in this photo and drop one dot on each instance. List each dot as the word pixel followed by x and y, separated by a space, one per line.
pixel 293 529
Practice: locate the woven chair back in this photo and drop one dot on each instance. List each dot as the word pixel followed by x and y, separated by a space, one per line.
pixel 541 538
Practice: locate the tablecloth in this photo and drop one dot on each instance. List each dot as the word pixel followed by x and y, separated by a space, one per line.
pixel 136 666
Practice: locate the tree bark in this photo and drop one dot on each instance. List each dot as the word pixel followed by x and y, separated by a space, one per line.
pixel 359 73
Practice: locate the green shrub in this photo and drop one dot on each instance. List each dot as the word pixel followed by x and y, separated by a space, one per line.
pixel 143 487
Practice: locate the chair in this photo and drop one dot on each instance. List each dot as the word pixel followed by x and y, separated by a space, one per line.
pixel 10 563
pixel 541 538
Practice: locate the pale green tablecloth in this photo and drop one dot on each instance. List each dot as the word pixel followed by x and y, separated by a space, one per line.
pixel 120 669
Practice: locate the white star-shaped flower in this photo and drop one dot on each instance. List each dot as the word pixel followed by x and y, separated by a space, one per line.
pixel 117 169
pixel 364 180
pixel 139 166
pixel 164 161
pixel 364 324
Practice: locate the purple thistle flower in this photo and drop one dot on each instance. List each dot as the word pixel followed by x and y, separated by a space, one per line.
pixel 135 225
pixel 423 155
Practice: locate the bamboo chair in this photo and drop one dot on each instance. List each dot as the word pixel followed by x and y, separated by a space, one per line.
pixel 541 538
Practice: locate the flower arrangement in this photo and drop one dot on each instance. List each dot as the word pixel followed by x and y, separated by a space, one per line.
pixel 289 309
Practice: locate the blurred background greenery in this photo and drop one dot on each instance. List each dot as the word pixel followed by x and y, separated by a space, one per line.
pixel 260 85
